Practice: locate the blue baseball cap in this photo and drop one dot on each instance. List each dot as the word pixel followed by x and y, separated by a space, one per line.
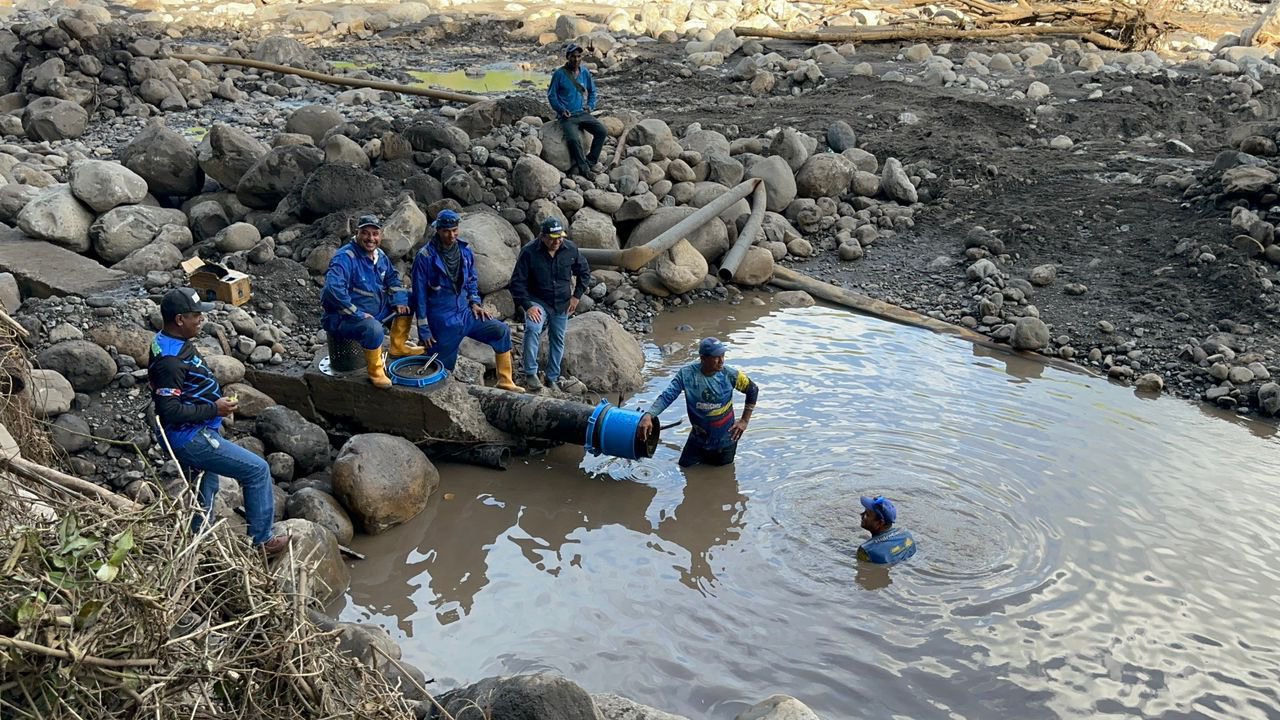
pixel 368 221
pixel 712 347
pixel 572 48
pixel 446 219
pixel 881 506
pixel 553 228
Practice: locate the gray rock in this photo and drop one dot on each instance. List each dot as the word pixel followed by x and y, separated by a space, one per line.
pixel 895 183
pixel 780 707
pixel 51 393
pixel 10 293
pixel 313 121
pixel 104 185
pixel 495 244
pixel 593 229
pixel 342 149
pixel 57 216
pixel 226 369
pixel 85 365
pixel 527 697
pixel 841 137
pixel 165 160
pixel 119 232
pixel 71 433
pixel 554 149
pixel 285 430
pixel 276 174
pixel 382 480
pixel 237 237
pixel 824 175
pixel 313 550
pixel 792 147
pixel 862 159
pixel 534 178
pixel 156 256
pixel 682 268
pixel 602 200
pixel 779 181
pixel 430 137
pixel 711 240
pixel 207 219
pixel 756 267
pixel 280 50
pixel 1043 275
pixel 461 186
pixel 1150 383
pixel 602 354
pixel 652 132
pixel 322 509
pixel 50 118
pixel 637 208
pixel 405 230
pixel 616 707
pixel 793 299
pixel 706 143
pixel 333 187
pixel 1030 333
pixel 227 153
pixel 1269 398
pixel 13 198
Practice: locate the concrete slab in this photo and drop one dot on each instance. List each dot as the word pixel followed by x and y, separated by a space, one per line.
pixel 45 270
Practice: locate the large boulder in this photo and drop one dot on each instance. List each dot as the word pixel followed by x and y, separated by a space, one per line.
pixel 155 257
pixel 1030 333
pixel 85 365
pixel 616 707
pixel 682 268
pixel 778 707
pixel 652 132
pixel 523 697
pixel 824 175
pixel 896 184
pixel 226 370
pixel 779 182
pixel 119 232
pixel 285 430
pixel 792 146
pixel 704 193
pixel 841 137
pixel 279 50
pixel 13 198
pixel 50 118
pixel 165 160
pixel 322 509
pixel 480 119
pixel 333 187
pixel 276 174
pixel 313 121
pixel 534 178
pixel 227 153
pixel 57 216
pixel 51 393
pixel 711 240
pixel 404 230
pixel 602 354
pixel 126 338
pixel 593 229
pixel 104 185
pixel 429 137
pixel 314 549
pixel 554 148
pixel 706 142
pixel 756 267
pixel 495 244
pixel 382 480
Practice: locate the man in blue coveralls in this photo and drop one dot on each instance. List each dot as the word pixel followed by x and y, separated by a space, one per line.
pixel 190 406
pixel 572 95
pixel 361 290
pixel 446 299
pixel 708 387
pixel 888 544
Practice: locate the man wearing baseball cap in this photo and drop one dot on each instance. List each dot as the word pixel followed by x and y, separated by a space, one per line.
pixel 543 286
pixel 572 94
pixel 708 387
pixel 446 299
pixel 361 291
pixel 190 406
pixel 888 544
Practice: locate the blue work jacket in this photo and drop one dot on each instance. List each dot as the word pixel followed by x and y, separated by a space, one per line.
pixel 354 284
pixel 435 301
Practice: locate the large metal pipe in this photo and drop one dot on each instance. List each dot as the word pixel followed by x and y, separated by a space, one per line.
pixel 601 428
pixel 729 266
pixel 634 258
pixel 488 456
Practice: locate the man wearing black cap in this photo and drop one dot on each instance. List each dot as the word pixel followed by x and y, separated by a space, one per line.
pixel 361 291
pixel 446 299
pixel 708 387
pixel 572 95
pixel 888 544
pixel 190 407
pixel 542 285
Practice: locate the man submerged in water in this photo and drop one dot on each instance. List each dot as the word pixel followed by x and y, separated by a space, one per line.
pixel 888 544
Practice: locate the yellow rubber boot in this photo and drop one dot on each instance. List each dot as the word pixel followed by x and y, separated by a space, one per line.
pixel 377 373
pixel 505 381
pixel 400 337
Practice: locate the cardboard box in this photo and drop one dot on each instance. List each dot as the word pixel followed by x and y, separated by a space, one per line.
pixel 229 286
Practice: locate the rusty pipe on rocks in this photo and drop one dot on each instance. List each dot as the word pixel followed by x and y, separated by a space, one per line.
pixel 729 266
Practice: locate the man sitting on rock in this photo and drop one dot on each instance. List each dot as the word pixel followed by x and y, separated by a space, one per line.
pixel 361 291
pixel 708 387
pixel 572 95
pixel 189 407
pixel 542 285
pixel 446 299
pixel 887 545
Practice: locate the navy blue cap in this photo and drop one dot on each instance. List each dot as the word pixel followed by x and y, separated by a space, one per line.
pixel 552 227
pixel 712 347
pixel 180 301
pixel 446 219
pixel 572 48
pixel 368 221
pixel 881 506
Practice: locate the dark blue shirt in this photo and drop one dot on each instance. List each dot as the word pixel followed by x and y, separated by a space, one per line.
pixel 183 388
pixel 546 279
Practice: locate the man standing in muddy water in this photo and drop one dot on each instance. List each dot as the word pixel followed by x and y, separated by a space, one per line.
pixel 446 299
pixel 572 95
pixel 888 544
pixel 708 387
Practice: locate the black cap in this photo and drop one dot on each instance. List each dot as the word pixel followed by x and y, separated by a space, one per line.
pixel 180 301
pixel 368 221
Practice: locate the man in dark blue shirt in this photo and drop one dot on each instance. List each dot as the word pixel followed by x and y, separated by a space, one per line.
pixel 190 407
pixel 572 95
pixel 542 285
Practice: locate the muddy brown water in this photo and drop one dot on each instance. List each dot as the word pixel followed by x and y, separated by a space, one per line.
pixel 1084 552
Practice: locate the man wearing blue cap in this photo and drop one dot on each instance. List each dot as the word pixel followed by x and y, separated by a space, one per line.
pixel 572 95
pixel 888 544
pixel 446 299
pixel 542 285
pixel 361 291
pixel 708 387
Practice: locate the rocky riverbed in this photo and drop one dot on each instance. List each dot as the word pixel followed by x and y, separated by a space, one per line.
pixel 1115 210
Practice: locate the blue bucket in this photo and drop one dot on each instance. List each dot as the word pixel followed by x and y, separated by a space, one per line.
pixel 616 431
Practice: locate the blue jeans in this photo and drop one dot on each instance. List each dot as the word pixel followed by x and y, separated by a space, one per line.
pixel 216 455
pixel 555 325
pixel 572 126
pixel 366 330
